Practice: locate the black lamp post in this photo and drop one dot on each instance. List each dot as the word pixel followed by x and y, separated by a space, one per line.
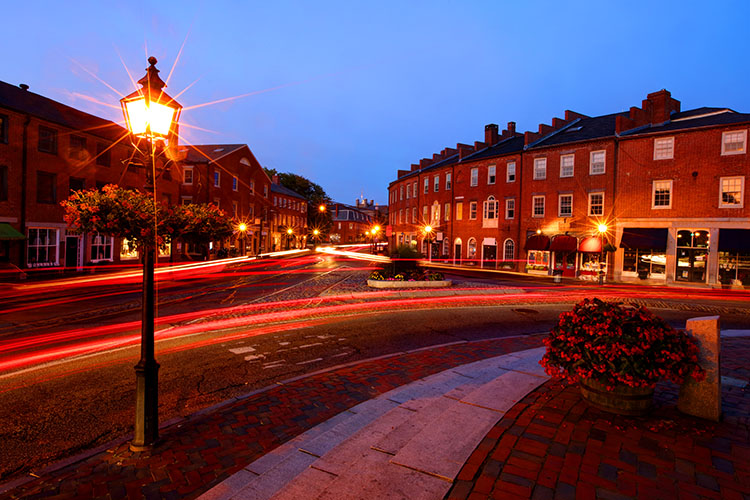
pixel 602 229
pixel 151 115
pixel 428 234
pixel 289 233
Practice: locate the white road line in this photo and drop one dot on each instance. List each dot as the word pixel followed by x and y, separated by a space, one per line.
pixel 241 350
pixel 310 361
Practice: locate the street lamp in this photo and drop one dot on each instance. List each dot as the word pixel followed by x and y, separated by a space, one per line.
pixel 242 228
pixel 315 233
pixel 289 233
pixel 602 229
pixel 375 231
pixel 427 233
pixel 152 115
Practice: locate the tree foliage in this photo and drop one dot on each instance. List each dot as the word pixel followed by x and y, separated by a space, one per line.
pixel 313 193
pixel 126 213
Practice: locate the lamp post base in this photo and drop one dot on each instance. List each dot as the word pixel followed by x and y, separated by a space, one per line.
pixel 146 406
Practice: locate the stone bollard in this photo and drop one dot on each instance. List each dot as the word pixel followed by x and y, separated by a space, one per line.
pixel 703 399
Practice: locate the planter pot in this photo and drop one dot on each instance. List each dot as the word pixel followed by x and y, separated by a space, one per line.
pixel 623 400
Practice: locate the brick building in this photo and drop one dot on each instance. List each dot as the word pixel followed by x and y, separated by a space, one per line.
pixel 668 184
pixel 289 213
pixel 349 224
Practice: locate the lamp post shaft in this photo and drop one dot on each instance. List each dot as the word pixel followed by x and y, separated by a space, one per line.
pixel 601 259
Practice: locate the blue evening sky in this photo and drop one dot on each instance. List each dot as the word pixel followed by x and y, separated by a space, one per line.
pixel 346 93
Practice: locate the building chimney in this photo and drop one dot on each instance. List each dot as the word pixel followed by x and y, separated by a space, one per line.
pixel 275 179
pixel 490 134
pixel 662 106
pixel 24 86
pixel 512 128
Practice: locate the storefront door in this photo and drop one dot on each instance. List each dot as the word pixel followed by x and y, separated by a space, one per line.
pixel 489 256
pixel 692 256
pixel 71 252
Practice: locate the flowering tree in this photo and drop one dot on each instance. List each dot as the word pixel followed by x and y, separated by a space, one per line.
pixel 126 213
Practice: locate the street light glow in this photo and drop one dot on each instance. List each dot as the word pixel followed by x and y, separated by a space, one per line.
pixel 602 228
pixel 242 227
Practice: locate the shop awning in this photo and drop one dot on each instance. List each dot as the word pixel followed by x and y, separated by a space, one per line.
pixel 592 244
pixel 7 232
pixel 563 243
pixel 537 242
pixel 734 240
pixel 644 238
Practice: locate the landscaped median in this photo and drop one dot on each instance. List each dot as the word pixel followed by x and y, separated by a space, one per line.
pixel 415 278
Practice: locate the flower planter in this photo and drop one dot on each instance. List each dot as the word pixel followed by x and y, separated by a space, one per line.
pixel 623 399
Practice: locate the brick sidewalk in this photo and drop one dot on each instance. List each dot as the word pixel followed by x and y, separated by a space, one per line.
pixel 198 453
pixel 553 445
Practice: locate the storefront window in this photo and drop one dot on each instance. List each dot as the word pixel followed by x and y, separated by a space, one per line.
pixel 42 247
pixel 126 253
pixel 734 268
pixel 101 247
pixel 692 255
pixel 471 251
pixel 650 261
pixel 538 260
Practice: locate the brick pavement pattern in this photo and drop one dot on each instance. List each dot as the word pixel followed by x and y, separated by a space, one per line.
pixel 198 453
pixel 552 445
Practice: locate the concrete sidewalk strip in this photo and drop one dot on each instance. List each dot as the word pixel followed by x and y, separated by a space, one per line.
pixel 410 442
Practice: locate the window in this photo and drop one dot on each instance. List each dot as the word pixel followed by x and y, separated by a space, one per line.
pixel 732 192
pixel 265 190
pixel 46 187
pixel 186 200
pixel 471 248
pixel 400 216
pixel 414 190
pixel 447 212
pixel 510 208
pixel 401 193
pixel 540 168
pixel 597 166
pixel 474 176
pixel 101 247
pixel 661 196
pixel 407 191
pixel 4 129
pixel 234 183
pixel 126 252
pixel 509 250
pixel 217 202
pixel 426 185
pixel 566 165
pixel 76 184
pixel 490 208
pixel 103 155
pixel 510 172
pixel 234 209
pixel 424 212
pixel 42 247
pixel 217 179
pixel 565 205
pixel 448 181
pixel 733 143
pixel 537 206
pixel 47 140
pixel 459 210
pixel 406 215
pixel 252 186
pixel 491 174
pixel 187 175
pixel 77 149
pixel 436 183
pixel 3 182
pixel 664 148
pixel 435 214
pixel 472 210
pixel 414 215
pixel 596 203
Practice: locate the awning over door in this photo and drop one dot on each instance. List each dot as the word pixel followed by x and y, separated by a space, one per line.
pixel 644 238
pixel 8 232
pixel 734 240
pixel 537 242
pixel 592 244
pixel 564 243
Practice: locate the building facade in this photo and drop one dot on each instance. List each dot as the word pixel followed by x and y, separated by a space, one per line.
pixel 653 193
pixel 350 224
pixel 289 222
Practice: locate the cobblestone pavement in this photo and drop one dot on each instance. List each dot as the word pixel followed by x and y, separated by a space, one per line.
pixel 197 453
pixel 553 445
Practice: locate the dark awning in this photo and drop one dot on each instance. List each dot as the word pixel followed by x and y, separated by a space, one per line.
pixel 564 243
pixel 644 238
pixel 537 242
pixel 737 240
pixel 592 244
pixel 7 232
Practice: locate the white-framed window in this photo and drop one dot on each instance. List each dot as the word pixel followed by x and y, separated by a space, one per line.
pixel 436 183
pixel 459 210
pixel 426 185
pixel 510 171
pixel 509 250
pixel 448 181
pixel 42 247
pixel 491 174
pixel 406 216
pixel 537 206
pixel 447 212
pixel 217 179
pixel 732 192
pixel 401 193
pixel 472 210
pixel 597 165
pixel 661 194
pixel 510 208
pixel 567 163
pixel 407 191
pixel 101 247
pixel 186 200
pixel 565 205
pixel 400 216
pixel 187 175
pixel 733 142
pixel 490 208
pixel 265 190
pixel 252 186
pixel 474 177
pixel 664 148
pixel 235 183
pixel 424 212
pixel 414 190
pixel 596 203
pixel 540 168
pixel 414 215
pixel 435 213
pixel 471 248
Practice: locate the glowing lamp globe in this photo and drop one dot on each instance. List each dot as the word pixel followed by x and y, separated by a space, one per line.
pixel 242 227
pixel 150 112
pixel 289 231
pixel 602 228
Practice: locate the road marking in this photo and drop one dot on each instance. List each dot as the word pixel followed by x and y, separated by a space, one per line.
pixel 254 357
pixel 310 345
pixel 241 350
pixel 284 343
pixel 310 361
